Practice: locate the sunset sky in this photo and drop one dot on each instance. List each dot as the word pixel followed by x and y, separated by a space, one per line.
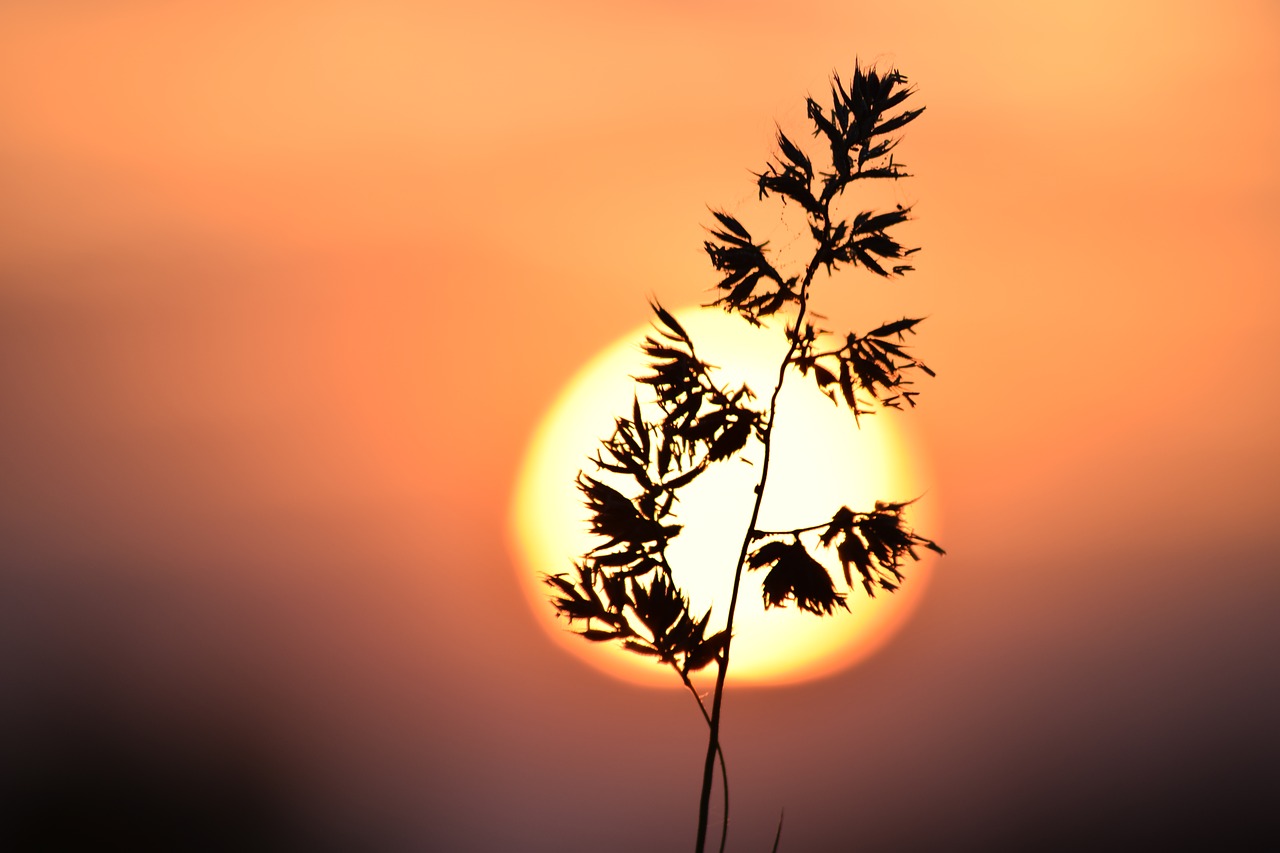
pixel 286 287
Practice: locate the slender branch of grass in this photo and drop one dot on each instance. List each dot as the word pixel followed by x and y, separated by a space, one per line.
pixel 722 668
pixel 794 531
pixel 724 771
pixel 624 588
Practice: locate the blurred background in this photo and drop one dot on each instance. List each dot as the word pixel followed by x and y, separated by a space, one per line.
pixel 285 288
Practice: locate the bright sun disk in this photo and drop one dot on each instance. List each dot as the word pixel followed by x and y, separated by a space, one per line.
pixel 821 461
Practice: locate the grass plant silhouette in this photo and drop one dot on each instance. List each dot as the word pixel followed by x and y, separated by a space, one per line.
pixel 625 590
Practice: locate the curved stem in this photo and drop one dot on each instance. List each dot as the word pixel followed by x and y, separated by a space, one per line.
pixel 684 677
pixel 724 771
pixel 794 531
pixel 713 742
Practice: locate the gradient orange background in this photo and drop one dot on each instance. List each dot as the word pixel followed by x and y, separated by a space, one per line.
pixel 284 288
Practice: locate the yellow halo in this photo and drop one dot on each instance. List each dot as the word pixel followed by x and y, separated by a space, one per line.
pixel 821 460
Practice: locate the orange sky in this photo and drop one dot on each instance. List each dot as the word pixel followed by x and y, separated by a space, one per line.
pixel 284 288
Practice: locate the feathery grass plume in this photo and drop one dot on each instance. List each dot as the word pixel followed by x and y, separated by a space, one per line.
pixel 626 590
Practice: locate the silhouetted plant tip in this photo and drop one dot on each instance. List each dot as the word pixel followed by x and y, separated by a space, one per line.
pixel 684 420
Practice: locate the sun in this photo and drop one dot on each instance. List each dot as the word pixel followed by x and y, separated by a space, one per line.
pixel 821 461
